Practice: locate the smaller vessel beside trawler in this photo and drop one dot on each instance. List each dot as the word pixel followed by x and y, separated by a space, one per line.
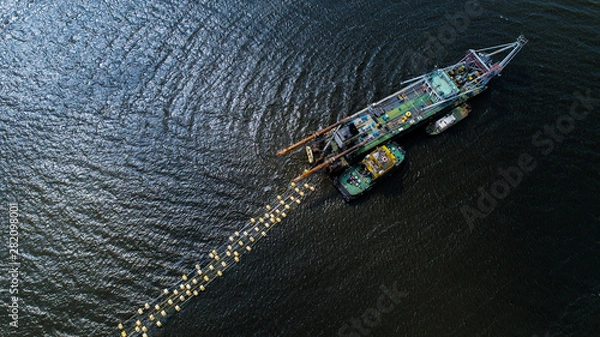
pixel 454 116
pixel 339 147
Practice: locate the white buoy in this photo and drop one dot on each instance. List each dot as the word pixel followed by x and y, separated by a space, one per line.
pixel 181 298
pixel 177 308
pixel 170 301
pixel 157 307
pixel 248 248
pixel 202 288
pixel 140 311
pixel 175 292
pixel 220 273
pixel 151 317
pixel 144 329
pixel 188 286
pixel 138 322
pixel 147 306
pixel 163 313
pixel 166 291
pixel 194 281
pixel 206 278
pixel 158 324
pixel 237 259
pixel 120 326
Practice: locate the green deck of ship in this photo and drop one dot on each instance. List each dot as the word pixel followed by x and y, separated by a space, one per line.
pixel 415 98
pixel 391 114
pixel 356 179
pixel 413 104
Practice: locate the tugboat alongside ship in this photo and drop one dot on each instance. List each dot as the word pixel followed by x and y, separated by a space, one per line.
pixel 358 179
pixel 346 147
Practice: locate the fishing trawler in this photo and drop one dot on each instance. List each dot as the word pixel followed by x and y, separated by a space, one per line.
pixel 422 98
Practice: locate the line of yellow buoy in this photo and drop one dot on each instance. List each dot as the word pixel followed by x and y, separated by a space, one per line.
pixel 240 243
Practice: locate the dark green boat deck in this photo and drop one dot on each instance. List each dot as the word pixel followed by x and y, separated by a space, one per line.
pixel 357 179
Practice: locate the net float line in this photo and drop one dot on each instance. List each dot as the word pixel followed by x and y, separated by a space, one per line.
pixel 153 314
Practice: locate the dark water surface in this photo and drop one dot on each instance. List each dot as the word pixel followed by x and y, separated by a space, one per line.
pixel 135 136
